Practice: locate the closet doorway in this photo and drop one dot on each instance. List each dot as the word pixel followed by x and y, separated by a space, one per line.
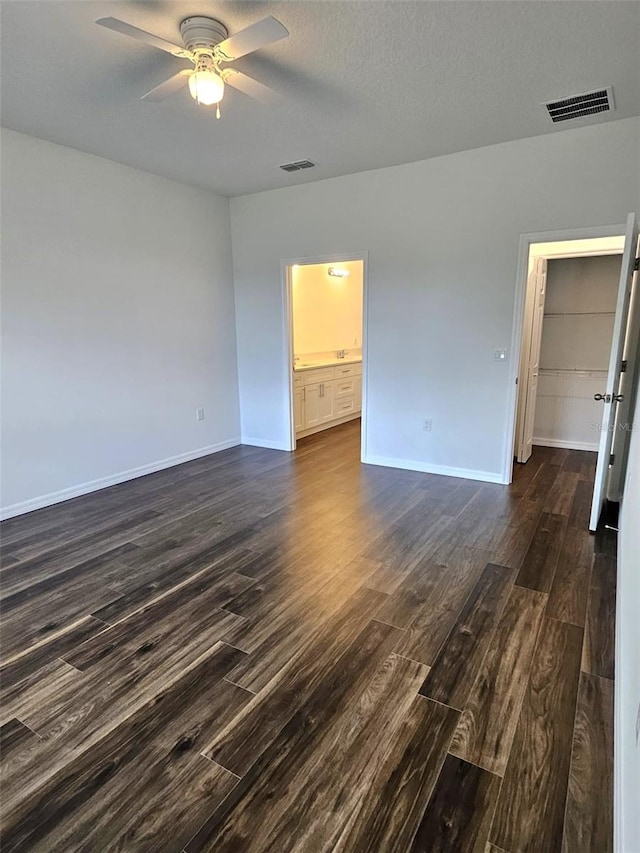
pixel 587 332
pixel 571 291
pixel 579 349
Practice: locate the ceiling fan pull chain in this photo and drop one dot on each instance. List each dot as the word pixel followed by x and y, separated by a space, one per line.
pixel 218 110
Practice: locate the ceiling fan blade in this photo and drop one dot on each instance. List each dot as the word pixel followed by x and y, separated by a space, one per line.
pixel 251 87
pixel 169 87
pixel 143 36
pixel 251 38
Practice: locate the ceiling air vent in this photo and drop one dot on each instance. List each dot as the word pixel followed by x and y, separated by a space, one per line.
pixel 299 164
pixel 598 101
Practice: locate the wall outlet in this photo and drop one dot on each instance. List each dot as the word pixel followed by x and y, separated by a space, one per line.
pixel 426 425
pixel 199 414
pixel 500 354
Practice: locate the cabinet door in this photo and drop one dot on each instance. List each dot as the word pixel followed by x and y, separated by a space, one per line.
pixel 311 405
pixel 326 402
pixel 298 408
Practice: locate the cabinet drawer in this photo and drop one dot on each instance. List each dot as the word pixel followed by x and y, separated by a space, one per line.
pixel 345 370
pixel 298 380
pixel 345 406
pixel 323 374
pixel 345 387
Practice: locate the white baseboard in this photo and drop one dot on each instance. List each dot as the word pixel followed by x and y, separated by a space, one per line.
pixel 261 442
pixel 113 480
pixel 428 468
pixel 566 445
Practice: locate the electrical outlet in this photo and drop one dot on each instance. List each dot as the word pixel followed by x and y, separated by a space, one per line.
pixel 199 414
pixel 426 425
pixel 500 354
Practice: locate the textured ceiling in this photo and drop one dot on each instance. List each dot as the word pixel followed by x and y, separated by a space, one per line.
pixel 366 84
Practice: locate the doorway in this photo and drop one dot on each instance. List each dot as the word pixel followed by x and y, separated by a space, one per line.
pixel 572 340
pixel 568 328
pixel 325 305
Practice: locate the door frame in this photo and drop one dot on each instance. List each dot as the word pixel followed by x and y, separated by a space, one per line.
pixel 287 285
pixel 517 331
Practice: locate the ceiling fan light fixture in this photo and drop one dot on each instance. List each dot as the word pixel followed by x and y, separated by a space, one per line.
pixel 206 87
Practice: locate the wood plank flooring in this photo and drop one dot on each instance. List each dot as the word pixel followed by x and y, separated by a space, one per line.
pixel 260 651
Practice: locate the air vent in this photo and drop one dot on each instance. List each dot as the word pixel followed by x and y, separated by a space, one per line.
pixel 599 101
pixel 299 164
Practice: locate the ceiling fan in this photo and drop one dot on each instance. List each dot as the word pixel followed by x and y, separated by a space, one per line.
pixel 208 46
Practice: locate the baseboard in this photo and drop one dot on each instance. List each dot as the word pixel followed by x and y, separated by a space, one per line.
pixel 566 445
pixel 428 468
pixel 113 480
pixel 261 442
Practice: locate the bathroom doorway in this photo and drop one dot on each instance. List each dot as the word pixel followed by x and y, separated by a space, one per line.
pixel 325 307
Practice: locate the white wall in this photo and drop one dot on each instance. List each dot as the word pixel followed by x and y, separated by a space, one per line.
pixel 118 322
pixel 443 238
pixel 627 697
pixel 577 329
pixel 327 311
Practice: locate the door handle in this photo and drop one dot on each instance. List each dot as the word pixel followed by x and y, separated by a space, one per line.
pixel 609 398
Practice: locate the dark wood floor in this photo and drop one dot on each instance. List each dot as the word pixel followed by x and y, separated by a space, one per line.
pixel 259 651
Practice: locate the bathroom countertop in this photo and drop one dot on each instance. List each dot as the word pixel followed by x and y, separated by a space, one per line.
pixel 326 362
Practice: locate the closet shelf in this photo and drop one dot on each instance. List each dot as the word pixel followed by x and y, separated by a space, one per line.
pixel 581 314
pixel 577 372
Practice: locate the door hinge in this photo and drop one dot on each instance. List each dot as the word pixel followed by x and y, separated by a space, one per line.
pixel 612 458
pixel 623 366
pixel 636 265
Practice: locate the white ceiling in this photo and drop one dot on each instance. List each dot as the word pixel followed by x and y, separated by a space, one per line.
pixel 366 84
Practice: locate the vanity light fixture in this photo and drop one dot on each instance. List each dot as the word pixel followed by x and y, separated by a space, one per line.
pixel 338 272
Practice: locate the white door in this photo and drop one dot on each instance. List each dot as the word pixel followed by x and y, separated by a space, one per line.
pixel 610 418
pixel 631 356
pixel 326 407
pixel 532 364
pixel 311 405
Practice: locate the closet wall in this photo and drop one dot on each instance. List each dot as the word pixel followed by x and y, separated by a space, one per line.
pixel 576 340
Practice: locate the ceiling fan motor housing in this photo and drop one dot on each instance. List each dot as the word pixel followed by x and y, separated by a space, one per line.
pixel 199 33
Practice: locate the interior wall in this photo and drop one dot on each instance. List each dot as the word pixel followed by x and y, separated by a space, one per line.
pixel 627 696
pixel 117 322
pixel 442 237
pixel 577 329
pixel 327 311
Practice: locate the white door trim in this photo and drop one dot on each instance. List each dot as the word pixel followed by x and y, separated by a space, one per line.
pixel 526 240
pixel 334 258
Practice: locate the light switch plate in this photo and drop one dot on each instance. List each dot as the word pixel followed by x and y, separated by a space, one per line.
pixel 500 354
